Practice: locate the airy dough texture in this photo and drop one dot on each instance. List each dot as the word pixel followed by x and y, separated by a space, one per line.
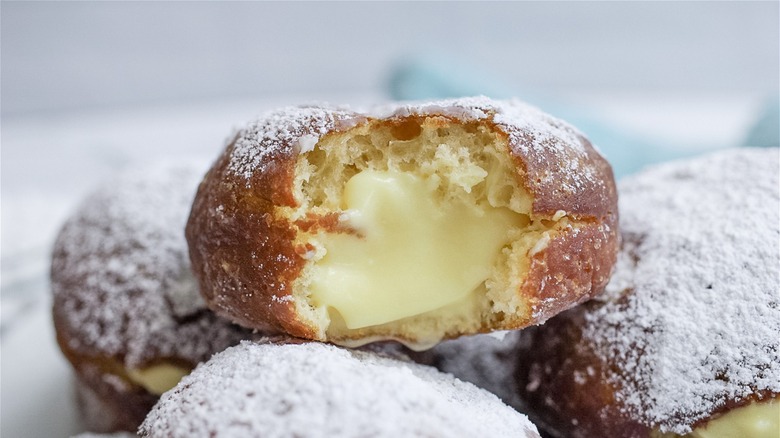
pixel 474 166
pixel 256 228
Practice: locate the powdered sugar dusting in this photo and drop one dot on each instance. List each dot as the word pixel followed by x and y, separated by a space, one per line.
pixel 121 277
pixel 537 135
pixel 464 108
pixel 279 132
pixel 528 126
pixel 483 360
pixel 534 131
pixel 701 253
pixel 517 118
pixel 313 389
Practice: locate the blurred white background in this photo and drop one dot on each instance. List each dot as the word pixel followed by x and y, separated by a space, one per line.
pixel 89 88
pixel 75 55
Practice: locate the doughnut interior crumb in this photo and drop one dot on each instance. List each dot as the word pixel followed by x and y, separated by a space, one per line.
pixel 470 163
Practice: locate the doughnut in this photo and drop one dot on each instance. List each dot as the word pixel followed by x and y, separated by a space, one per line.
pixel 409 222
pixel 685 342
pixel 127 310
pixel 310 389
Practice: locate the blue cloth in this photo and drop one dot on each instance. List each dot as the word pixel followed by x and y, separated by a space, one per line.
pixel 766 130
pixel 431 78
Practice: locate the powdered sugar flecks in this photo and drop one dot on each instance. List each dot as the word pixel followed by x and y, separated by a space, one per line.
pixel 536 133
pixel 313 390
pixel 702 255
pixel 121 276
pixel 278 132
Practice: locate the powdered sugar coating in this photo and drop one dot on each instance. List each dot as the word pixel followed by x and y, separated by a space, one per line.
pixel 701 255
pixel 464 108
pixel 484 360
pixel 533 135
pixel 121 277
pixel 278 132
pixel 516 118
pixel 318 390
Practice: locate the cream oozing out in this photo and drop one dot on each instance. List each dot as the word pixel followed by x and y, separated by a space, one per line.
pixel 158 378
pixel 409 252
pixel 756 420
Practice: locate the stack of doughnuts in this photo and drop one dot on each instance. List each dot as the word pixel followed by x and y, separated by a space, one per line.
pixel 481 235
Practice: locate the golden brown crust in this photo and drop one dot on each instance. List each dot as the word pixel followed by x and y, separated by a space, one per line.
pixel 241 252
pixel 244 254
pixel 575 266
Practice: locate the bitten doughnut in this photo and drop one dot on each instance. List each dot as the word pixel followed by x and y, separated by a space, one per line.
pixel 127 310
pixel 319 390
pixel 686 340
pixel 416 222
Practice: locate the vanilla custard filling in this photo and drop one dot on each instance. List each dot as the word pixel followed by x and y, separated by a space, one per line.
pixel 756 420
pixel 409 253
pixel 158 378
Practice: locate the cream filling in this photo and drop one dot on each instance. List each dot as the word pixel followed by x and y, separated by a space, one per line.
pixel 756 420
pixel 409 254
pixel 158 379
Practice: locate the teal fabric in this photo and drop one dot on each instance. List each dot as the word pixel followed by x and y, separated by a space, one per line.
pixel 431 78
pixel 766 130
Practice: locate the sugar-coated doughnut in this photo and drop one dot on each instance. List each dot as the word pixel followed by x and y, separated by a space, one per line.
pixel 414 222
pixel 686 339
pixel 319 390
pixel 127 310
